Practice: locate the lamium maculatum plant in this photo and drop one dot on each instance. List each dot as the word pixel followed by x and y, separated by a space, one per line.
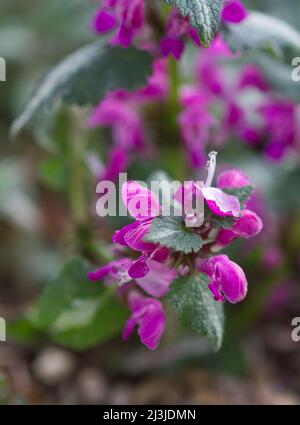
pixel 164 85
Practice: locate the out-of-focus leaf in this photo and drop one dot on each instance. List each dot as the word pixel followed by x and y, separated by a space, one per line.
pixel 196 307
pixel 279 75
pixel 85 77
pixel 23 330
pixel 16 202
pixel 54 173
pixel 263 32
pixel 104 320
pixel 205 16
pixel 78 313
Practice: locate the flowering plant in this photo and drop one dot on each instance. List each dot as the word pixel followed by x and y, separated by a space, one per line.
pixel 164 84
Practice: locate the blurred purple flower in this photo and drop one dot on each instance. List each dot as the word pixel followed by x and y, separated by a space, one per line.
pixel 178 28
pixel 234 11
pixel 149 316
pixel 126 17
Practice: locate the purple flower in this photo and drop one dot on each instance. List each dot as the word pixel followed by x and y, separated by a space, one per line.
pixel 281 127
pixel 158 279
pixel 247 226
pixel 158 86
pixel 252 76
pixel 133 235
pixel 149 316
pixel 233 179
pixel 234 11
pixel 139 201
pixel 219 202
pixel 150 275
pixel 178 27
pixel 127 17
pixel 118 163
pixel 196 124
pixel 228 280
pixel 119 112
pixel 114 272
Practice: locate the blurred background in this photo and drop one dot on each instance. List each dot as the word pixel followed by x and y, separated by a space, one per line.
pixel 259 362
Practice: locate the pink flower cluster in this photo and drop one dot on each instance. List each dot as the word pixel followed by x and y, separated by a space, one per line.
pixel 122 112
pixel 247 109
pixel 127 19
pixel 143 281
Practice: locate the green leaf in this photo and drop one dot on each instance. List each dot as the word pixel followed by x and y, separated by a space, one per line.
pixel 172 233
pixel 77 312
pixel 22 330
pixel 54 173
pixel 278 74
pixel 243 194
pixel 85 77
pixel 222 222
pixel 193 301
pixel 264 32
pixel 205 16
pixel 105 320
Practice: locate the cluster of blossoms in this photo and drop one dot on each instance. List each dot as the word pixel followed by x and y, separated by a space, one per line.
pixel 121 110
pixel 144 281
pixel 127 19
pixel 213 111
pixel 247 110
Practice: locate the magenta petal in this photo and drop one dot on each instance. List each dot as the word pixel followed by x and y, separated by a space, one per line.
pixel 129 327
pixel 140 202
pixel 100 273
pixel 248 225
pixel 172 46
pixel 152 327
pixel 149 316
pixel 156 283
pixel 124 37
pixel 227 279
pixel 220 203
pixel 135 237
pixel 233 179
pixel 234 11
pixel 226 237
pixel 139 268
pixel 195 36
pixel 103 22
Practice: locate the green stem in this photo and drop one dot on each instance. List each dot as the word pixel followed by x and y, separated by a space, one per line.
pixel 174 101
pixel 78 200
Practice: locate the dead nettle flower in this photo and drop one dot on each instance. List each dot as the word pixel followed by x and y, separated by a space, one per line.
pixel 122 112
pixel 144 280
pixel 125 17
pixel 215 109
pixel 179 28
pixel 234 11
